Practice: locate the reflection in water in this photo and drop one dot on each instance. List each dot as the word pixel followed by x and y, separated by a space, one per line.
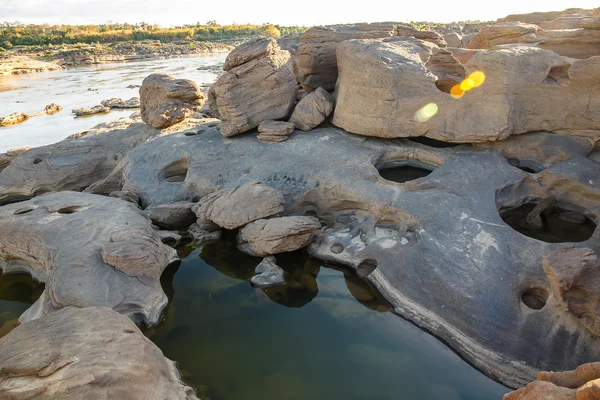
pixel 17 293
pixel 326 334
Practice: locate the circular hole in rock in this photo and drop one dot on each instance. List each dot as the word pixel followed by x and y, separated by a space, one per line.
pixel 337 248
pixel 37 161
pixel 176 171
pixel 535 298
pixel 528 166
pixel 68 210
pixel 432 142
pixel 169 241
pixel 404 171
pixel 366 268
pixel 213 125
pixel 558 223
pixel 23 210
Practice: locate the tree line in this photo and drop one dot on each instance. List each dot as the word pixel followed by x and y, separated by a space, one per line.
pixel 18 34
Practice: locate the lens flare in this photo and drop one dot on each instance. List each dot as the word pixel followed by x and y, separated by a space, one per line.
pixel 426 112
pixel 457 92
pixel 467 84
pixel 475 79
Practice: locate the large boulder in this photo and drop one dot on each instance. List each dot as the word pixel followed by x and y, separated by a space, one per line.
pixel 259 90
pixel 165 101
pixel 312 110
pixel 90 250
pixel 277 235
pixel 172 216
pixel 385 89
pixel 317 63
pixel 250 50
pixel 85 353
pixel 234 208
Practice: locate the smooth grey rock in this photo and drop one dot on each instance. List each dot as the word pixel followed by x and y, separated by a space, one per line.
pixel 90 250
pixel 268 274
pixel 172 216
pixel 86 353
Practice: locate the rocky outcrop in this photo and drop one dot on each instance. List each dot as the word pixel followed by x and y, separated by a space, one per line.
pixel 166 101
pixel 14 118
pixel 52 108
pixel 173 215
pixel 87 353
pixel 90 250
pixel 583 383
pixel 453 39
pixel 234 208
pixel 250 50
pixel 312 110
pixel 9 156
pixel 317 63
pixel 16 65
pixel 259 90
pixel 81 112
pixel 385 89
pixel 116 102
pixel 277 235
pixel 574 276
pixel 268 274
pixel 274 131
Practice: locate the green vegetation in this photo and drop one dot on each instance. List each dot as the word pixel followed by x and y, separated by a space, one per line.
pixel 17 34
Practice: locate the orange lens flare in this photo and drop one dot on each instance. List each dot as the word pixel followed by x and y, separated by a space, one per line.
pixel 475 79
pixel 457 92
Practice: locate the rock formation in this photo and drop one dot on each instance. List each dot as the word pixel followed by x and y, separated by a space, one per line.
pixel 268 274
pixel 14 118
pixel 115 102
pixel 99 109
pixel 250 50
pixel 274 131
pixel 165 101
pixel 258 90
pixel 172 216
pixel 90 250
pixel 85 353
pixel 17 65
pixel 312 110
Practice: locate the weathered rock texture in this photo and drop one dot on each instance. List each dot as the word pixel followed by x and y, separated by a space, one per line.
pixel 251 50
pixel 87 353
pixel 172 216
pixel 312 110
pixel 17 65
pixel 165 101
pixel 81 112
pixel 14 118
pixel 436 248
pixel 116 102
pixel 268 274
pixel 274 131
pixel 259 90
pixel 383 84
pixel 574 276
pixel 317 63
pixel 277 235
pixel 583 383
pixel 234 208
pixel 90 250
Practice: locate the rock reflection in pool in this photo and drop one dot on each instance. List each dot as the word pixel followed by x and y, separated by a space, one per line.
pixel 17 293
pixel 325 335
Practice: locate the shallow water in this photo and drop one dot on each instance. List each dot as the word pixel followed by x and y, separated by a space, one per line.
pixel 32 92
pixel 403 173
pixel 17 293
pixel 326 335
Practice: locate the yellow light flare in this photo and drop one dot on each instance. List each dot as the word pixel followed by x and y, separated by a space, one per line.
pixel 467 84
pixel 457 92
pixel 478 77
pixel 426 112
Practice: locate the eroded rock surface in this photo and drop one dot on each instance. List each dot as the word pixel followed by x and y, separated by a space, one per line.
pixel 166 101
pixel 312 110
pixel 87 353
pixel 268 274
pixel 274 131
pixel 90 250
pixel 99 109
pixel 172 216
pixel 14 118
pixel 250 50
pixel 277 235
pixel 117 102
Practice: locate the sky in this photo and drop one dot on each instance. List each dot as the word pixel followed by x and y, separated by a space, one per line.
pixel 281 12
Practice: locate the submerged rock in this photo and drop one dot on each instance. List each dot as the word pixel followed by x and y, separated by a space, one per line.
pixel 99 109
pixel 115 102
pixel 85 353
pixel 52 108
pixel 312 110
pixel 165 101
pixel 14 118
pixel 268 274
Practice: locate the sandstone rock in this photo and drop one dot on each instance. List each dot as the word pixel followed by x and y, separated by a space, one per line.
pixel 453 39
pixel 80 112
pixel 63 238
pixel 126 196
pixel 9 156
pixel 312 110
pixel 541 391
pixel 591 24
pixel 534 219
pixel 115 102
pixel 201 234
pixel 172 216
pixel 234 208
pixel 260 90
pixel 14 118
pixel 251 50
pixel 384 84
pixel 317 63
pixel 274 131
pixel 52 108
pixel 165 101
pixel 17 65
pixel 268 274
pixel 574 275
pixel 446 67
pixel 277 235
pixel 87 353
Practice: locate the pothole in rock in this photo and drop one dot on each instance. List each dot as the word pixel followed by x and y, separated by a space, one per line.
pixel 176 171
pixel 404 171
pixel 535 298
pixel 528 166
pixel 555 223
pixel 17 293
pixel 318 333
pixel 432 142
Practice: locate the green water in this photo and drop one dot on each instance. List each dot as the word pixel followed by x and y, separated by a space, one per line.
pixel 17 293
pixel 326 335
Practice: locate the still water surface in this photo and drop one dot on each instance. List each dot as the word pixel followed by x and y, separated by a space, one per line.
pixel 32 92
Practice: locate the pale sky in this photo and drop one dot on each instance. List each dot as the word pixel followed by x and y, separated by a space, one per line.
pixel 282 12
